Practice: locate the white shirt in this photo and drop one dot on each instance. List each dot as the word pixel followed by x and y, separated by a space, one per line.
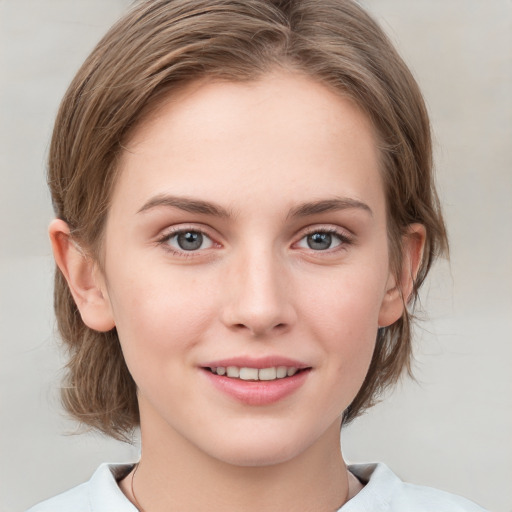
pixel 383 492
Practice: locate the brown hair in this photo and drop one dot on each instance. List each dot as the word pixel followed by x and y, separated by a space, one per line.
pixel 160 45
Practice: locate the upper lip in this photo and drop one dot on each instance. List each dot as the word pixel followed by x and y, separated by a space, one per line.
pixel 256 362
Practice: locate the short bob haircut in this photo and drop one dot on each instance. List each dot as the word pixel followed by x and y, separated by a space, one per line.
pixel 162 45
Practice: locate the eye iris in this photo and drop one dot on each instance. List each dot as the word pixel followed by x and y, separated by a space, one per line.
pixel 319 241
pixel 190 240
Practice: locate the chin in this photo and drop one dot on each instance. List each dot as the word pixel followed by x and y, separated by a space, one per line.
pixel 259 450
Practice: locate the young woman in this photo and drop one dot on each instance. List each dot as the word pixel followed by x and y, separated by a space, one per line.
pixel 245 210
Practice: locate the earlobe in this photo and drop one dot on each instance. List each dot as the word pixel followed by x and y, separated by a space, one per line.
pixel 399 292
pixel 83 276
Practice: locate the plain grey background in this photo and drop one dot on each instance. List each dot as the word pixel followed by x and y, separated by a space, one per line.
pixel 452 428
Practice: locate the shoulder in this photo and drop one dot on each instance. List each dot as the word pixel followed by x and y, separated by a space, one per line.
pixel 74 499
pixel 100 494
pixel 385 491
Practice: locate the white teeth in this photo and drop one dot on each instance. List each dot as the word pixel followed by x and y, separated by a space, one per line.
pixel 281 372
pixel 291 371
pixel 267 374
pixel 246 373
pixel 233 371
pixel 249 373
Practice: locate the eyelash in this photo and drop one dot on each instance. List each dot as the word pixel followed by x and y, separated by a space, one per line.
pixel 165 239
pixel 344 240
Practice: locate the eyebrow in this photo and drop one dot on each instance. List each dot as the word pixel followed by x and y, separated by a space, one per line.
pixel 186 204
pixel 207 208
pixel 329 205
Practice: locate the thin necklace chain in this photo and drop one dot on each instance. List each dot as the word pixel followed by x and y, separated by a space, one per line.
pixel 137 504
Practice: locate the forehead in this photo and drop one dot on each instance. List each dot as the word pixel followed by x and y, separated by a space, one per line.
pixel 284 132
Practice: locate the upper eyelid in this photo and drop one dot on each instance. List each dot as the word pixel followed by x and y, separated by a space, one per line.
pixel 211 233
pixel 324 229
pixel 327 228
pixel 200 228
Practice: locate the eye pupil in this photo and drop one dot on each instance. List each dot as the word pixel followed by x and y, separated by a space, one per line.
pixel 190 240
pixel 319 241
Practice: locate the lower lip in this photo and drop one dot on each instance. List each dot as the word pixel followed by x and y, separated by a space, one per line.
pixel 261 392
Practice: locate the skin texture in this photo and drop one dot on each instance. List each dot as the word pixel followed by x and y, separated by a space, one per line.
pixel 259 152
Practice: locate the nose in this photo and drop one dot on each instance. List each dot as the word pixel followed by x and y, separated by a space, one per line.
pixel 259 295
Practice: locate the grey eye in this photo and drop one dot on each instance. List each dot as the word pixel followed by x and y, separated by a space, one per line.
pixel 189 240
pixel 319 241
pixel 322 240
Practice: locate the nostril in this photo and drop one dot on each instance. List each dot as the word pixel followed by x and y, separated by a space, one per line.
pixel 259 329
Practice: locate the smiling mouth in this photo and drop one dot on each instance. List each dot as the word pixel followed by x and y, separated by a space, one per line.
pixel 256 374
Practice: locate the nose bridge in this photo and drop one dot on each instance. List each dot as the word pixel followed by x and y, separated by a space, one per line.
pixel 259 292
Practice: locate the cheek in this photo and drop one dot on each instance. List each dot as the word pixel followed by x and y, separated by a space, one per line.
pixel 157 316
pixel 348 301
pixel 344 313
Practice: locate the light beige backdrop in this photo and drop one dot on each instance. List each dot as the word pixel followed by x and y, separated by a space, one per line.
pixel 452 429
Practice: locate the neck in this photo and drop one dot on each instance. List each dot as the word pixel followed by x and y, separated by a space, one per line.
pixel 174 475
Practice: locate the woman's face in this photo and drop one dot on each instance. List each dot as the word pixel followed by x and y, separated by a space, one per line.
pixel 247 237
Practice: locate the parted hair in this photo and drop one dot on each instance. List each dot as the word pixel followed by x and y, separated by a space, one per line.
pixel 161 45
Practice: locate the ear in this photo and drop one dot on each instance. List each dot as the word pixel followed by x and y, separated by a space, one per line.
pixel 84 278
pixel 398 293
